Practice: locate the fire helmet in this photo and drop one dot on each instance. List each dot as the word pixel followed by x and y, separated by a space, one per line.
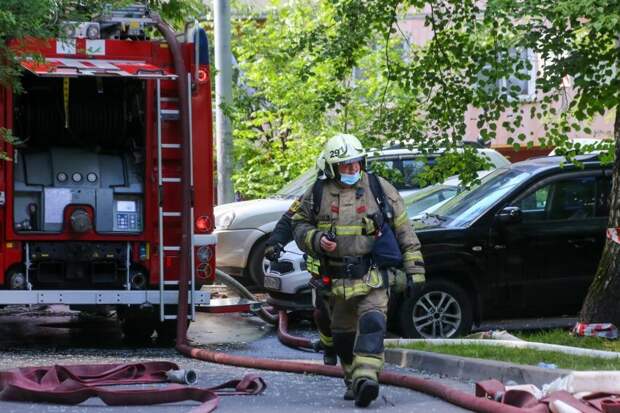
pixel 342 148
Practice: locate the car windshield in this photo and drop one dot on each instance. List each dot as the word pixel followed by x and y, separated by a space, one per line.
pixel 425 198
pixel 297 186
pixel 468 205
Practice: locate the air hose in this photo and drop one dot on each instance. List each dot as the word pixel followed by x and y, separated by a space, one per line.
pixel 280 319
pixel 230 281
pixel 573 351
pixel 442 391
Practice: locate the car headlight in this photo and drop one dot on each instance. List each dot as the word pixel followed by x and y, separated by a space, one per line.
pixel 225 220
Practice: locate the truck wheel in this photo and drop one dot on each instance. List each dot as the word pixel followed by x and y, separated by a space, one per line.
pixel 256 265
pixel 137 324
pixel 167 331
pixel 441 309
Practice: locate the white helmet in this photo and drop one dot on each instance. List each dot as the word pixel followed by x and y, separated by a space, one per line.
pixel 342 148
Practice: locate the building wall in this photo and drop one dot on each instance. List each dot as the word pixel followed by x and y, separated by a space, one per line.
pixel 602 126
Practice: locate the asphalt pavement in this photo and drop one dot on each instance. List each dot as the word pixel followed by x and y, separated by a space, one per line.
pixel 38 337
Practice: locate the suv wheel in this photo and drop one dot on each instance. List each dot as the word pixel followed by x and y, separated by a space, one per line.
pixel 441 309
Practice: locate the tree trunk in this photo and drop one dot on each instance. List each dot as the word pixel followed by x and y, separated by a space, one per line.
pixel 602 304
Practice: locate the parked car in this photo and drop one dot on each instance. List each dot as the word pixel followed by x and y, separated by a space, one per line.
pixel 525 242
pixel 243 228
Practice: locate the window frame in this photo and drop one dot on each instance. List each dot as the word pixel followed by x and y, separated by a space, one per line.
pixel 531 83
pixel 532 57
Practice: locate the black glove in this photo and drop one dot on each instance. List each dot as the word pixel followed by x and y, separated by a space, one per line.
pixel 272 252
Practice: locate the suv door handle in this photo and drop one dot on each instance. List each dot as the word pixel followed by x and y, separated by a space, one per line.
pixel 499 247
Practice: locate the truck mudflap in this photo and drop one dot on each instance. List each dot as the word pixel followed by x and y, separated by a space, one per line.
pixel 202 299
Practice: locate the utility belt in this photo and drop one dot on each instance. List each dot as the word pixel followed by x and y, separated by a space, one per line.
pixel 346 267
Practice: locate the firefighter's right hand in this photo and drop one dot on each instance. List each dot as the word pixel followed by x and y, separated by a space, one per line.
pixel 272 252
pixel 327 245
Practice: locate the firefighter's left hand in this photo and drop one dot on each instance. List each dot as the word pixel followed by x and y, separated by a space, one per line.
pixel 272 252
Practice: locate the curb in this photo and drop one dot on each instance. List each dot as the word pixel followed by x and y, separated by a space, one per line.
pixel 471 368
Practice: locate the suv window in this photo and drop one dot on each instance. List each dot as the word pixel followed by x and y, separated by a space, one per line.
pixel 572 198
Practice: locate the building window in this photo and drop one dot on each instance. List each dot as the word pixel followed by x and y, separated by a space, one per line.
pixel 526 83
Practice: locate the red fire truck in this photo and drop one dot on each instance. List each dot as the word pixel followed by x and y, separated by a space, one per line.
pixel 90 203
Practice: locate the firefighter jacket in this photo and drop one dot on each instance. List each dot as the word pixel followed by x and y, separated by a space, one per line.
pixel 346 211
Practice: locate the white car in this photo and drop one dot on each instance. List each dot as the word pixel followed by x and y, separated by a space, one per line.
pixel 243 228
pixel 286 281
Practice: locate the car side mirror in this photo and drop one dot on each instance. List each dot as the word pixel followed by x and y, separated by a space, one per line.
pixel 510 215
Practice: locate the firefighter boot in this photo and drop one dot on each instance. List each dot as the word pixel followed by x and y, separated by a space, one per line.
pixel 368 357
pixel 366 390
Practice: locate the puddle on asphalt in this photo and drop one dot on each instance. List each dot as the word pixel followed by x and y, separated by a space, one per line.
pixel 59 328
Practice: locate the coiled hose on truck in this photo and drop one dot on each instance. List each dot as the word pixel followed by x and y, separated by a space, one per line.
pixel 457 397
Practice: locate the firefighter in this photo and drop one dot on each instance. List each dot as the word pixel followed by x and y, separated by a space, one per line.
pixel 282 235
pixel 357 225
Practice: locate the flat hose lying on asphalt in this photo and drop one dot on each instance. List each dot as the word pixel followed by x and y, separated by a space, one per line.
pixel 453 396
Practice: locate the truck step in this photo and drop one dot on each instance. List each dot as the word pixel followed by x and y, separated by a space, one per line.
pixel 169 114
pixel 171 180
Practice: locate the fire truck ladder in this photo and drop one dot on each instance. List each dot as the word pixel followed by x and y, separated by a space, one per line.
pixel 172 115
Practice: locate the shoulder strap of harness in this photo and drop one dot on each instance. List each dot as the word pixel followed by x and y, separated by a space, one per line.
pixel 317 195
pixel 379 194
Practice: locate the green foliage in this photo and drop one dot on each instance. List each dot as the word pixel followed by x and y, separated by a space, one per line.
pixel 178 12
pixel 393 175
pixel 284 109
pixel 474 61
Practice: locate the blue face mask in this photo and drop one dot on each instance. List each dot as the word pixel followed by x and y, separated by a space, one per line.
pixel 350 179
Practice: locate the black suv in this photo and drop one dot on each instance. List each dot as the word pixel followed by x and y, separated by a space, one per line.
pixel 525 242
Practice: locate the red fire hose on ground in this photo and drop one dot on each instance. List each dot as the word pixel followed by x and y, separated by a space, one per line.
pixel 453 396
